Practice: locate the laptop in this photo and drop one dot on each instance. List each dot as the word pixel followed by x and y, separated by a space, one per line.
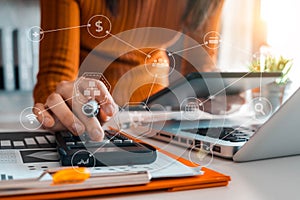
pixel 205 84
pixel 278 136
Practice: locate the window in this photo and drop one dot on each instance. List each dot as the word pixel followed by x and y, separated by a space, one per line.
pixel 250 25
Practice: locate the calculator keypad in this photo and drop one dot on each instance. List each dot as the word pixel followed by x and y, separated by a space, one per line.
pixel 115 149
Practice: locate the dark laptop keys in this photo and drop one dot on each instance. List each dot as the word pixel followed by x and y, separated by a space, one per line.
pixel 225 133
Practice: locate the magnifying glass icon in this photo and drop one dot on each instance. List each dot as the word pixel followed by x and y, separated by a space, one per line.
pixel 259 108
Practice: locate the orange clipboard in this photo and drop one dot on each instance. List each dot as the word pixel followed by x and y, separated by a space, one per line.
pixel 209 179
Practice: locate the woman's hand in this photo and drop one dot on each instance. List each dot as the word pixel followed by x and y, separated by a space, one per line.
pixel 63 108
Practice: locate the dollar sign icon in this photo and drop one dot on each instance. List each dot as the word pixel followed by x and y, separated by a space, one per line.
pixel 98 24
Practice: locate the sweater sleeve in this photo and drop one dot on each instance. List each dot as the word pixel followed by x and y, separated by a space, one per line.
pixel 59 49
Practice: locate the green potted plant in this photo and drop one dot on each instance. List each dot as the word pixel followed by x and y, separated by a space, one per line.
pixel 274 91
pixel 273 64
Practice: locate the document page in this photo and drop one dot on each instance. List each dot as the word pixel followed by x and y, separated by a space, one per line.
pixel 19 162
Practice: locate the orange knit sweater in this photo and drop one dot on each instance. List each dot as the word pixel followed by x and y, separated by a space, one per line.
pixel 62 52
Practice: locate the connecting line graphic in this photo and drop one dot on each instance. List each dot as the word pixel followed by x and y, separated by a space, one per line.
pixel 56 104
pixel 193 47
pixel 234 82
pixel 247 52
pixel 89 25
pixel 175 52
pixel 260 80
pixel 155 77
pixel 107 32
pixel 67 28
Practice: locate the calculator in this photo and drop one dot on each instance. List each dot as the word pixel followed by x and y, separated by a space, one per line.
pixel 115 149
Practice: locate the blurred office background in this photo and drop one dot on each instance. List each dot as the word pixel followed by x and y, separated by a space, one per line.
pixel 18 55
pixel 248 27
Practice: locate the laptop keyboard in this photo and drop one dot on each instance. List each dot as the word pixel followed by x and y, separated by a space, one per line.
pixel 26 140
pixel 224 133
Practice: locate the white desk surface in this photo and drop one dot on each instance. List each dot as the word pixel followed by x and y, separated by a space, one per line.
pixel 268 179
